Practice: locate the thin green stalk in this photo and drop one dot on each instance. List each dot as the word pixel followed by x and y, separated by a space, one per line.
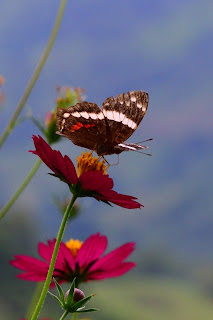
pixel 53 260
pixel 20 189
pixel 64 315
pixel 36 73
pixel 34 299
pixel 74 317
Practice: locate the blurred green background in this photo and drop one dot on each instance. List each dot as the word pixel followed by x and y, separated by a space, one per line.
pixel 110 47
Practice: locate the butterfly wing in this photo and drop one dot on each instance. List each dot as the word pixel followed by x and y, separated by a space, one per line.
pixel 124 113
pixel 83 124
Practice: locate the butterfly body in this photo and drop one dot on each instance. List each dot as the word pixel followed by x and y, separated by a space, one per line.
pixel 104 130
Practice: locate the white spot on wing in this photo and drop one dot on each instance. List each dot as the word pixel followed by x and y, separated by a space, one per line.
pixel 122 116
pixel 130 123
pixel 66 115
pixel 76 114
pixel 134 125
pixel 128 103
pixel 139 105
pixel 93 116
pixel 117 116
pixel 144 109
pixel 84 114
pixel 100 116
pixel 109 115
pixel 133 99
pixel 62 124
pixel 125 121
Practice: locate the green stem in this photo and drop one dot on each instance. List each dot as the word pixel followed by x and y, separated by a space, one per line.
pixel 20 189
pixel 35 298
pixel 64 315
pixel 74 317
pixel 35 74
pixel 53 260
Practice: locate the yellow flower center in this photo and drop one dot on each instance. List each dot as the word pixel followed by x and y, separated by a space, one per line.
pixel 86 162
pixel 74 246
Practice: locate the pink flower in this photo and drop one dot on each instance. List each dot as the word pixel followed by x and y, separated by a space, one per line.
pixel 90 179
pixel 85 261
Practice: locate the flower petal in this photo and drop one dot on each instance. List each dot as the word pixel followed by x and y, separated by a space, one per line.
pixel 91 250
pixel 102 184
pixel 64 254
pixel 114 258
pixel 43 150
pixel 95 181
pixel 27 263
pixel 66 257
pixel 32 276
pixel 46 250
pixel 121 200
pixel 88 262
pixel 116 272
pixel 61 166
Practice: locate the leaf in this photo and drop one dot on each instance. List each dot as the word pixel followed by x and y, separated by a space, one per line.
pixel 60 291
pixel 82 302
pixel 71 293
pixel 54 296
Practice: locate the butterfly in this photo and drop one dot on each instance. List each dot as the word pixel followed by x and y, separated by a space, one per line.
pixel 104 130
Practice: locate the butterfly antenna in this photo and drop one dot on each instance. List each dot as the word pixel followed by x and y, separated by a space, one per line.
pixel 145 140
pixel 147 154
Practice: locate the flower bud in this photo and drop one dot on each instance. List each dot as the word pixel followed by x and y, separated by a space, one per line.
pixel 77 296
pixel 68 96
pixel 50 127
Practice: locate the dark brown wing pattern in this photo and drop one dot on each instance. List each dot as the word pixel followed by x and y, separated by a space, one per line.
pixel 86 125
pixel 124 113
pixel 83 124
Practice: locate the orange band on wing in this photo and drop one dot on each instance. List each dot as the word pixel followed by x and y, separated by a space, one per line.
pixel 89 125
pixel 79 125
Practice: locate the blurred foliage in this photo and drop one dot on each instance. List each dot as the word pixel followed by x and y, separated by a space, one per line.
pixel 151 298
pixel 159 261
pixel 61 205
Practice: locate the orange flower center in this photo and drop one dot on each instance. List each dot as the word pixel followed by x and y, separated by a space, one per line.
pixel 74 246
pixel 86 162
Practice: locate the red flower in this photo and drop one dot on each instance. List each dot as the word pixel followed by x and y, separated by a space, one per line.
pixel 76 259
pixel 92 181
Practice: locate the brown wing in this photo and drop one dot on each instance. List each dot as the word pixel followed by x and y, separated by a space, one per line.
pixel 124 113
pixel 83 124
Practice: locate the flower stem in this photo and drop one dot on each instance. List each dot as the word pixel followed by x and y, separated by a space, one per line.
pixel 53 260
pixel 35 298
pixel 20 189
pixel 35 75
pixel 64 315
pixel 74 317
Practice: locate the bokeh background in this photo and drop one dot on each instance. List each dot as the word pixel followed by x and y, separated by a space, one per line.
pixel 109 47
